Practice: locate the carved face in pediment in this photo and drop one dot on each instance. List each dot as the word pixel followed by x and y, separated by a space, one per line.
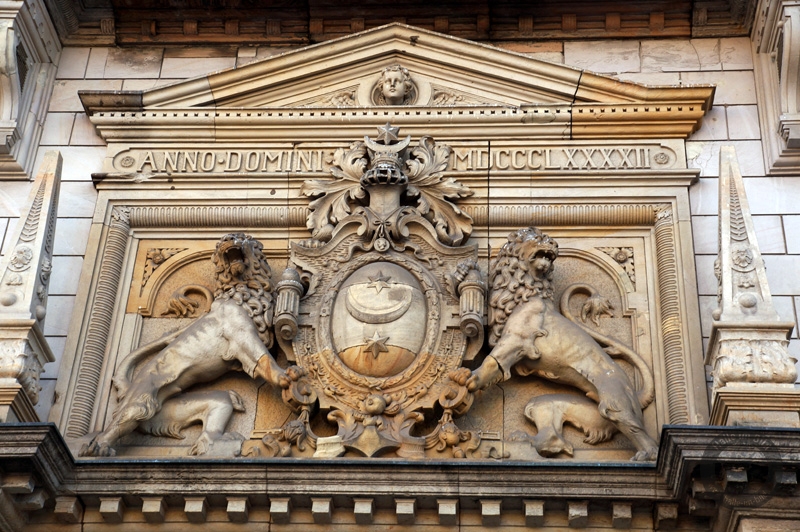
pixel 395 87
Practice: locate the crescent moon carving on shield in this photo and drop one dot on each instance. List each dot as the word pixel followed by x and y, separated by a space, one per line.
pixel 384 307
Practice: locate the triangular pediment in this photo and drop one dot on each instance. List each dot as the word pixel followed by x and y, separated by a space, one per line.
pixel 445 72
pixel 438 65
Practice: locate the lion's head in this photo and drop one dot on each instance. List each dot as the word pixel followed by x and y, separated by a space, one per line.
pixel 521 270
pixel 242 274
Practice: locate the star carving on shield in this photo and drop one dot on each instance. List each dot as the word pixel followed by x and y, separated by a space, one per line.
pixel 379 282
pixel 387 133
pixel 376 344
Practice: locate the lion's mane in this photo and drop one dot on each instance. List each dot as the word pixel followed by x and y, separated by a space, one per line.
pixel 254 290
pixel 513 281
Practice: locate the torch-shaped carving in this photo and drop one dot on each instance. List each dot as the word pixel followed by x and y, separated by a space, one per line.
pixel 472 297
pixel 287 306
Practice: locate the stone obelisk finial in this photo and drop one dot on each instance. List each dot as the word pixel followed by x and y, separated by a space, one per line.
pixel 24 274
pixel 753 373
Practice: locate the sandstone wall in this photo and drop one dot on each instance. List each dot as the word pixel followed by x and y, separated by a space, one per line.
pixel 728 63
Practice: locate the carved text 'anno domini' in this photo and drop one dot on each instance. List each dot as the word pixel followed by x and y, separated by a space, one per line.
pixel 501 159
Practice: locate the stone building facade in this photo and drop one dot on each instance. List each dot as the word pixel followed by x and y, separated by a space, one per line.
pixel 392 172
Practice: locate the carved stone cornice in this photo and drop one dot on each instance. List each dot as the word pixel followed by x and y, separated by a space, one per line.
pixel 271 97
pixel 24 275
pixel 663 119
pixel 723 472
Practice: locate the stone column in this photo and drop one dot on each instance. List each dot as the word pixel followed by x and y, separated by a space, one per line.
pixel 754 376
pixel 24 274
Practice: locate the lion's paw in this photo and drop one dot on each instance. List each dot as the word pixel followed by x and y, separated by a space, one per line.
pixel 202 445
pixel 94 448
pixel 295 372
pixel 292 374
pixel 551 445
pixel 460 376
pixel 646 455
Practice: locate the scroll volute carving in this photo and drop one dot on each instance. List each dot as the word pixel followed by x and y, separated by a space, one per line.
pixel 172 281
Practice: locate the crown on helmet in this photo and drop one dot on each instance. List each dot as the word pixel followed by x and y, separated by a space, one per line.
pixel 386 166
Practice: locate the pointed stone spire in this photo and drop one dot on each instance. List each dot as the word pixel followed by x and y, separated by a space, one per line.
pixel 753 373
pixel 24 274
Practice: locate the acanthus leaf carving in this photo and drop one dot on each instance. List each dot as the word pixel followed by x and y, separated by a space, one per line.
pixel 333 205
pixel 445 96
pixel 428 161
pixel 341 98
pixel 753 361
pixel 155 257
pixel 19 364
pixel 369 164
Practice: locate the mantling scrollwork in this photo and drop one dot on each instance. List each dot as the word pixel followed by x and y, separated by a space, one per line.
pixel 399 175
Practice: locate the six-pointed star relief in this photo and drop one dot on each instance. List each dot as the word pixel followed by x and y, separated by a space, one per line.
pixel 379 282
pixel 376 344
pixel 387 133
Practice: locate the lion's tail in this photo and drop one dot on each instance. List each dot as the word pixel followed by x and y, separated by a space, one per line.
pixel 614 349
pixel 122 377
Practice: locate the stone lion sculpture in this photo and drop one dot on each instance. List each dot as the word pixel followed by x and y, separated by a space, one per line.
pixel 531 336
pixel 233 335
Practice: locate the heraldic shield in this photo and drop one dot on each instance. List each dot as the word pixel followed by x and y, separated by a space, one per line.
pixel 387 300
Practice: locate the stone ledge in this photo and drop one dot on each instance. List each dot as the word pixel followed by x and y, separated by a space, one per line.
pixel 745 465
